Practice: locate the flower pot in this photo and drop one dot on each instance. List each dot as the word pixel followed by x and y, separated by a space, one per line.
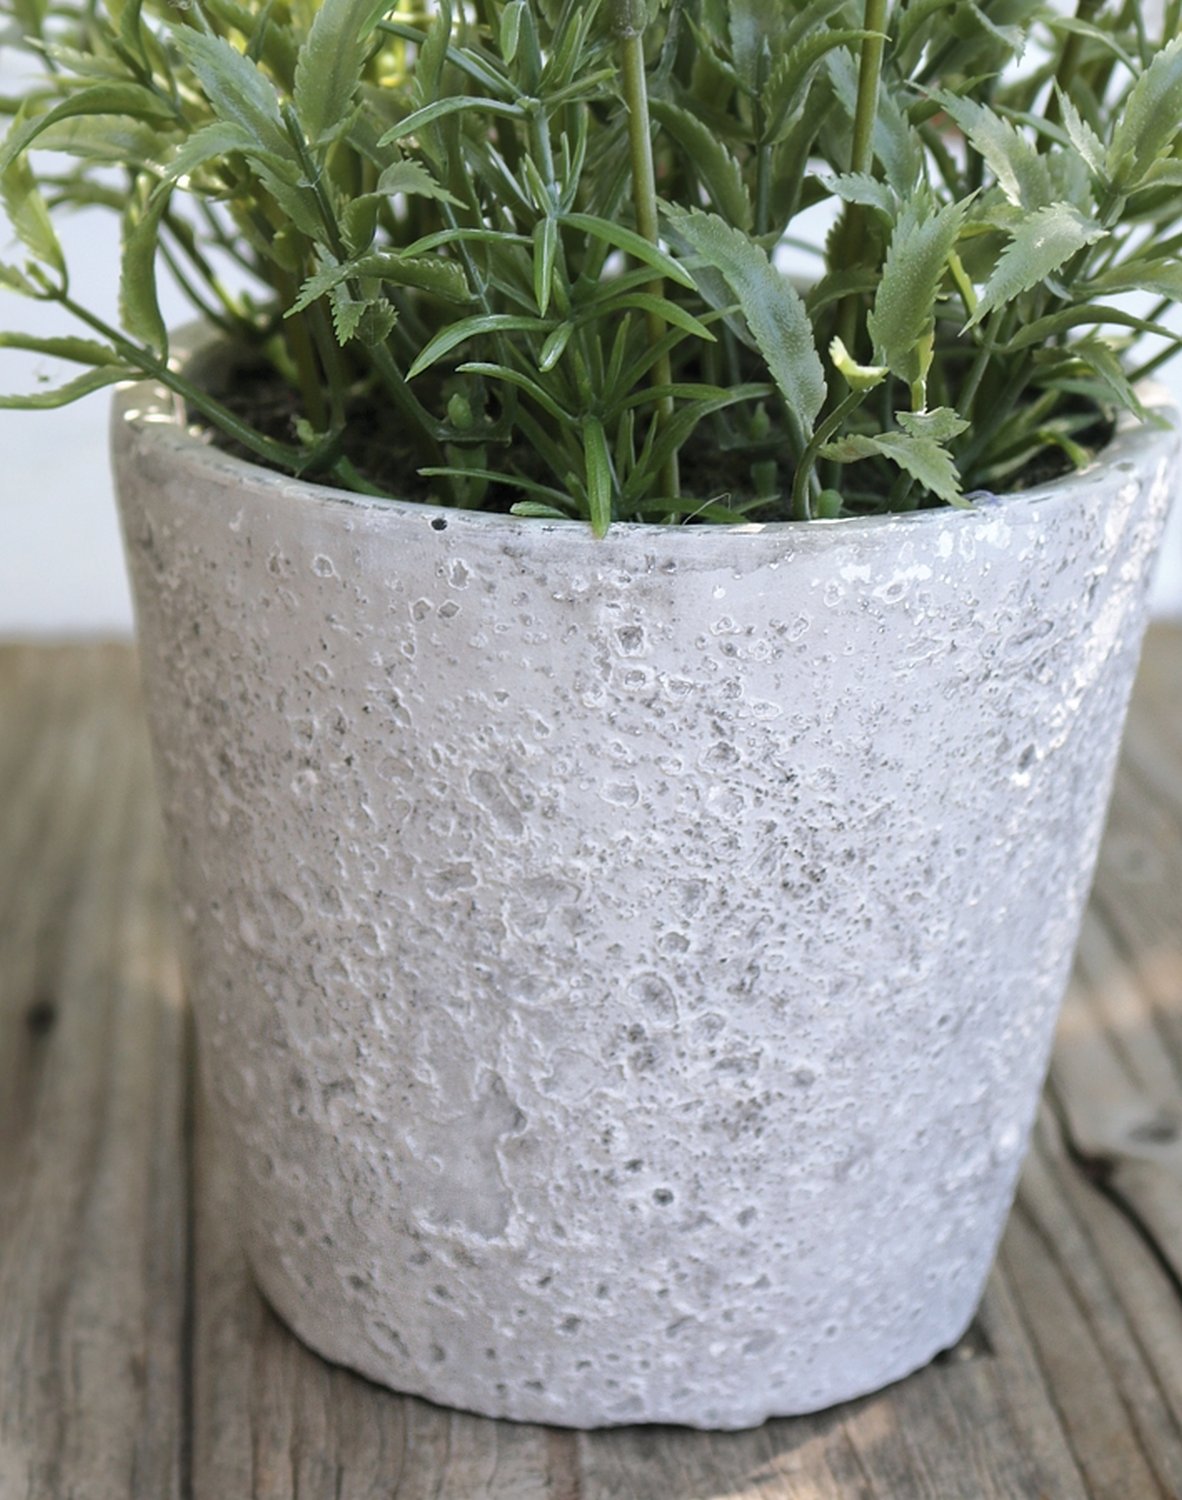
pixel 625 970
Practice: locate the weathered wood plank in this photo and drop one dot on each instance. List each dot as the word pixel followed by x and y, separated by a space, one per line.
pixel 1103 1191
pixel 1069 1386
pixel 92 1161
pixel 1108 1398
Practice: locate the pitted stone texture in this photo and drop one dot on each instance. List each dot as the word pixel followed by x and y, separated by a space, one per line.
pixel 626 969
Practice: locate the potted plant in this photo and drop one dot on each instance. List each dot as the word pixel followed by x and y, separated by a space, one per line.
pixel 634 727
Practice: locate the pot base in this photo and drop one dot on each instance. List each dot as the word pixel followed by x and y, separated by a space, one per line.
pixel 576 1410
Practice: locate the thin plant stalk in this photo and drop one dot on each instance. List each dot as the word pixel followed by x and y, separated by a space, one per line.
pixel 862 152
pixel 630 29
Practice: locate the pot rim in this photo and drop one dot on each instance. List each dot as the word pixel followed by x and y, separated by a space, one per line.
pixel 145 406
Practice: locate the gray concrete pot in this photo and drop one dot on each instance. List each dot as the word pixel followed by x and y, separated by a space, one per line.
pixel 626 969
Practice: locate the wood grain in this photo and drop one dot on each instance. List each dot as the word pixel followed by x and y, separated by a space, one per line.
pixel 137 1362
pixel 93 1070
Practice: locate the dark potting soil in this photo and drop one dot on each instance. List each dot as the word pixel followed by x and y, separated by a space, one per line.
pixel 379 450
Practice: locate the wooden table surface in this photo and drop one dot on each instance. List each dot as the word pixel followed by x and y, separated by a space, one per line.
pixel 138 1363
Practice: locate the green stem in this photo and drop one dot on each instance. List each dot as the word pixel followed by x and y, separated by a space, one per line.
pixel 1151 366
pixel 332 362
pixel 209 313
pixel 763 156
pixel 630 29
pixel 801 510
pixel 186 241
pixel 281 455
pixel 968 392
pixel 300 343
pixel 1069 59
pixel 423 428
pixel 999 413
pixel 539 133
pixel 862 156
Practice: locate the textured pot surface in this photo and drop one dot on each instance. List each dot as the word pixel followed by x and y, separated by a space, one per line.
pixel 626 969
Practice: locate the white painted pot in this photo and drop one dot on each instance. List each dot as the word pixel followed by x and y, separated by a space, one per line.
pixel 627 968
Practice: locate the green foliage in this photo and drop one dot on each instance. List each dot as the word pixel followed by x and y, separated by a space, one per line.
pixel 535 245
pixel 772 307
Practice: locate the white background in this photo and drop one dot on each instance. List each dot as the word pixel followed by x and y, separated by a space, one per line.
pixel 61 570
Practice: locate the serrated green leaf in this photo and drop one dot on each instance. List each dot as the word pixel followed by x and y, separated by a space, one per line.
pixel 1041 243
pixel 16 281
pixel 1020 169
pixel 101 99
pixel 1011 37
pixel 600 481
pixel 78 351
pixel 359 222
pixel 770 304
pixel 1166 173
pixel 941 424
pixel 347 313
pixel 330 64
pixel 278 173
pixel 28 215
pixel 866 191
pixel 377 323
pixel 925 460
pixel 431 274
pixel 412 179
pixel 719 171
pixel 79 64
pixel 904 310
pixel 359 218
pixel 754 25
pixel 428 273
pixel 368 317
pixel 115 139
pixel 1150 120
pixel 1160 276
pixel 787 86
pixel 73 390
pixel 238 91
pixel 1082 136
pixel 895 141
pixel 209 144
